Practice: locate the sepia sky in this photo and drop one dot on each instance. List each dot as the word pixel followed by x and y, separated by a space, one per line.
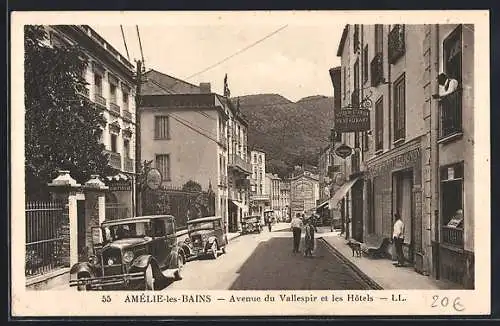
pixel 294 62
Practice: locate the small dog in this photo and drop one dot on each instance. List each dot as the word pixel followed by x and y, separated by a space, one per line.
pixel 355 247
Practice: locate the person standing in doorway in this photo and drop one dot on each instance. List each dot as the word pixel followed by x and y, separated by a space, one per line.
pixel 398 239
pixel 296 226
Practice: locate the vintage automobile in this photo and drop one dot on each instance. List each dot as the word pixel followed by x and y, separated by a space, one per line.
pixel 135 253
pixel 251 224
pixel 207 236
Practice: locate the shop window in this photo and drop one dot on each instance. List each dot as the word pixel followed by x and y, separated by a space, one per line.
pixel 452 216
pixel 399 109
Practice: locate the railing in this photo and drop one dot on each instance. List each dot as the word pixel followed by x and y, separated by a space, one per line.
pixel 116 211
pixel 47 237
pixel 377 69
pixel 396 43
pixel 129 164
pixel 115 160
pixel 84 92
pixel 127 114
pixel 259 197
pixel 100 100
pixel 452 236
pixel 238 162
pixel 114 108
pixel 450 108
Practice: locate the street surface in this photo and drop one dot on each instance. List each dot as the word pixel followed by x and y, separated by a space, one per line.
pixel 265 262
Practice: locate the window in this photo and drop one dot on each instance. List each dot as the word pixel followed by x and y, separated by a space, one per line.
pixel 379 125
pixel 343 82
pixel 399 109
pixel 260 158
pixel 98 84
pixel 452 183
pixel 112 93
pixel 365 64
pixel 125 100
pixel 356 38
pixel 163 165
pixel 451 106
pixel 126 148
pixel 379 30
pixel 158 227
pixel 396 40
pixel 254 158
pixel 162 127
pixel 114 146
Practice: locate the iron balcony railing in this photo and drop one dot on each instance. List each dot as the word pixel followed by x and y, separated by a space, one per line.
pixel 84 92
pixel 377 69
pixel 129 164
pixel 396 43
pixel 100 100
pixel 452 236
pixel 237 162
pixel 115 160
pixel 450 108
pixel 127 114
pixel 114 108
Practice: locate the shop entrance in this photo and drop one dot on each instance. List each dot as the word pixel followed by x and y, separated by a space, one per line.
pixel 403 204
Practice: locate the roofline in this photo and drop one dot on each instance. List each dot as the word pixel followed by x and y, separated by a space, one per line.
pixel 342 40
pixel 178 79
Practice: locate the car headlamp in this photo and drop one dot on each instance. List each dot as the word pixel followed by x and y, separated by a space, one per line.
pixel 128 256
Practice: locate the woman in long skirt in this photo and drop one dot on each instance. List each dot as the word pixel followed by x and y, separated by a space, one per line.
pixel 309 238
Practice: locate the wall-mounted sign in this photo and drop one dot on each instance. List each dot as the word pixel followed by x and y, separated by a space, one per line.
pixel 153 179
pixel 352 120
pixel 406 159
pixel 339 179
pixel 343 151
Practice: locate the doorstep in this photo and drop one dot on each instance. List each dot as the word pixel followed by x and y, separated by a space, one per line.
pixel 383 272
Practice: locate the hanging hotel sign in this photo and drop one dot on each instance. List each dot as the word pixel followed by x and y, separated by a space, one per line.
pixel 153 179
pixel 352 120
pixel 343 151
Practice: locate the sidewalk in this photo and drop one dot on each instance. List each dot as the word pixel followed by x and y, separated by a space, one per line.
pixel 382 271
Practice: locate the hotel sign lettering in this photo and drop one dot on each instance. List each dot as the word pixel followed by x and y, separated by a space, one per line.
pixel 404 160
pixel 352 120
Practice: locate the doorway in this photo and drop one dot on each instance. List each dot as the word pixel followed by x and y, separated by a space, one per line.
pixel 357 211
pixel 403 191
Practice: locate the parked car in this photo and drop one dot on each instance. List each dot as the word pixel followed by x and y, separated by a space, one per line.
pixel 138 253
pixel 207 236
pixel 251 224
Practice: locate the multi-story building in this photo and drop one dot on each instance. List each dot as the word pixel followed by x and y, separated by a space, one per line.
pixel 416 160
pixel 259 198
pixel 111 87
pixel 185 130
pixel 273 189
pixel 285 199
pixel 304 192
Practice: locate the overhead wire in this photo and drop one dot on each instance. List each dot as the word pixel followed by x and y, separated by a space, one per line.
pixel 125 42
pixel 140 46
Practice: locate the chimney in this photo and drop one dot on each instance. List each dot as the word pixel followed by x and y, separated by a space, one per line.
pixel 205 88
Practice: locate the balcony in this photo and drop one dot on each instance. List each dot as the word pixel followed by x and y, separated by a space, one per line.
pixel 452 236
pixel 129 164
pixel 396 43
pixel 115 160
pixel 450 110
pixel 239 164
pixel 377 69
pixel 114 108
pixel 223 181
pixel 127 114
pixel 100 100
pixel 84 92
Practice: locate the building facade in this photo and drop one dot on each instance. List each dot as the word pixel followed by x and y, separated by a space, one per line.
pixel 111 87
pixel 285 199
pixel 304 192
pixel 259 198
pixel 416 158
pixel 273 189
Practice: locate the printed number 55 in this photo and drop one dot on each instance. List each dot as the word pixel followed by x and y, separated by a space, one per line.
pixel 106 298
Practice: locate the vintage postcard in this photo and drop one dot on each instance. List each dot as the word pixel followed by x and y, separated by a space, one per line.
pixel 297 163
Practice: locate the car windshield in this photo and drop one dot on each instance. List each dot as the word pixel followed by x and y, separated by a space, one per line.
pixel 129 230
pixel 201 226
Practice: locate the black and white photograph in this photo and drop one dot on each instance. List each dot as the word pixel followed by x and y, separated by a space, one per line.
pixel 315 160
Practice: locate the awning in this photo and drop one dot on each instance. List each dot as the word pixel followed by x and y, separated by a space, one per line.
pixel 237 203
pixel 341 192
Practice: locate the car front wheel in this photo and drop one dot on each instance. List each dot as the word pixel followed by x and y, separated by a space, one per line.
pixel 214 250
pixel 149 280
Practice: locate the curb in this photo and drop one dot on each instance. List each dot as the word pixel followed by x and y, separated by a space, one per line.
pixel 371 283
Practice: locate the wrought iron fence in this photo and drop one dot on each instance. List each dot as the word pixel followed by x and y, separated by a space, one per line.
pixel 116 211
pixel 452 236
pixel 451 114
pixel 47 237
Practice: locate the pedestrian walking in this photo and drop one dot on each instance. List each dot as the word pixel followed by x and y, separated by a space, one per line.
pixel 309 237
pixel 296 226
pixel 398 239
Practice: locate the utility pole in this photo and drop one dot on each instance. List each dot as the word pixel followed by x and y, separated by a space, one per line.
pixel 138 165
